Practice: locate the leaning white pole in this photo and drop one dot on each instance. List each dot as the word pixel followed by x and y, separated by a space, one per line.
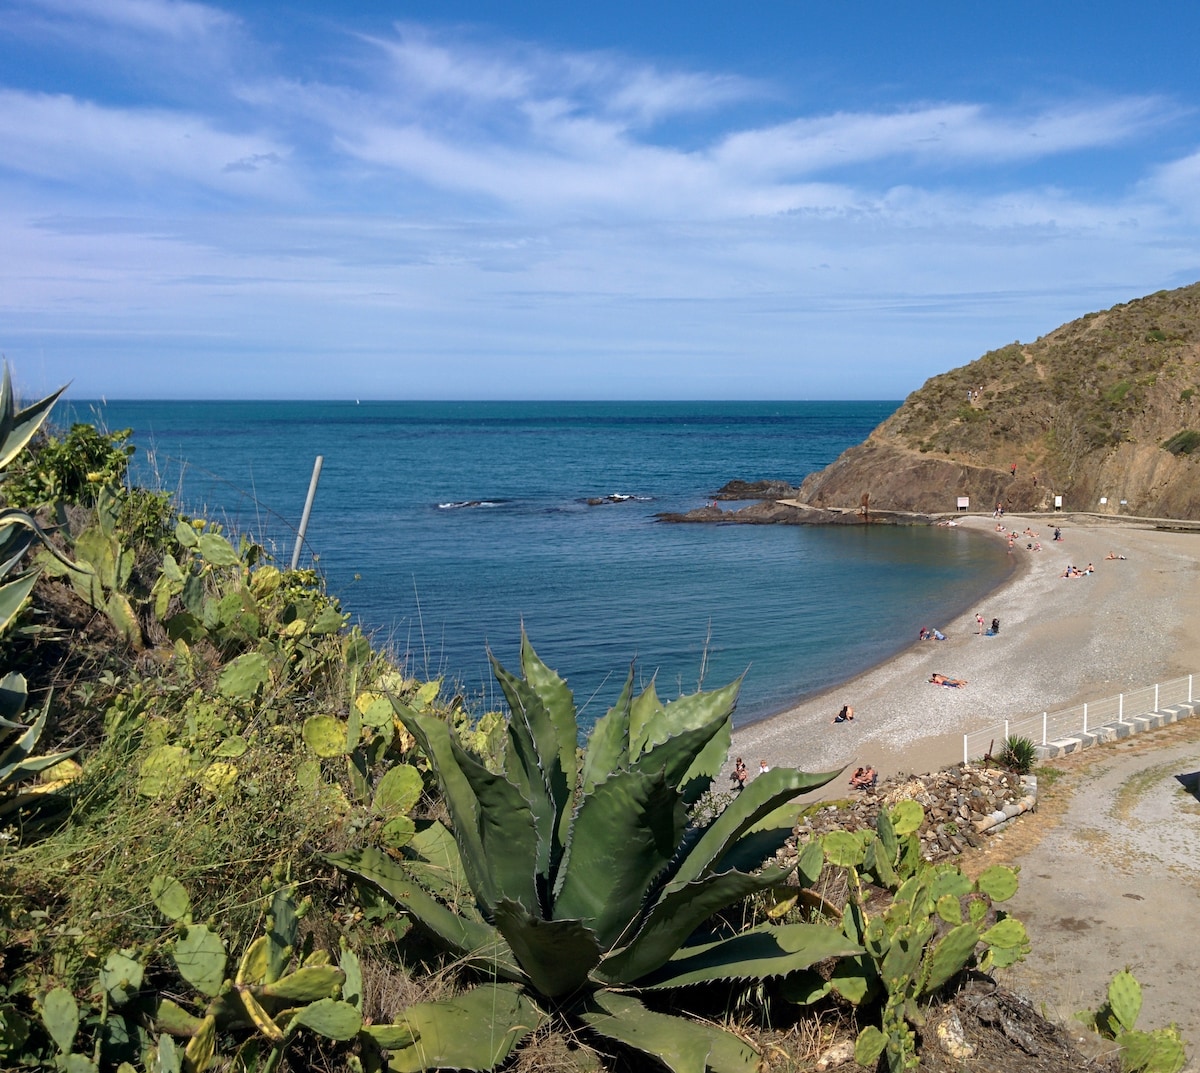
pixel 312 493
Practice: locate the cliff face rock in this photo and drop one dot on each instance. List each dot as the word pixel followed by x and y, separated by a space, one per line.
pixel 1106 407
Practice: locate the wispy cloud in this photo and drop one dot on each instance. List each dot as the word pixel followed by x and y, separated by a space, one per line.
pixel 79 142
pixel 417 189
pixel 178 20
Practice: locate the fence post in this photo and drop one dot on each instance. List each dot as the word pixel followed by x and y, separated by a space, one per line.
pixel 1044 728
pixel 1156 696
pixel 1006 730
pixel 1120 707
pixel 966 758
pixel 1189 689
pixel 1085 718
pixel 308 502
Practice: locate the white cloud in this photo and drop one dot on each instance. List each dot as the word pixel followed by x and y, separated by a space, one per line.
pixel 178 20
pixel 66 140
pixel 1178 183
pixel 952 133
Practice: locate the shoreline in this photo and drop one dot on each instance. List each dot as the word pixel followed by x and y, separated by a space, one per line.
pixel 1062 641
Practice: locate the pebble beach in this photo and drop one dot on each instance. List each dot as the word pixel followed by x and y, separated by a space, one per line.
pixel 1063 641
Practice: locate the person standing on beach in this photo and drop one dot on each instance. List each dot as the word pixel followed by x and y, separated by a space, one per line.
pixel 979 623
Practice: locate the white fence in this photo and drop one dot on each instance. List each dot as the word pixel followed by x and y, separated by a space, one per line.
pixel 1050 726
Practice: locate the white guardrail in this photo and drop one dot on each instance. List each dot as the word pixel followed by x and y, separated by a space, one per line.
pixel 1051 726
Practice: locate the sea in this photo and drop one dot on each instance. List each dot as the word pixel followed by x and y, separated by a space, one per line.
pixel 447 528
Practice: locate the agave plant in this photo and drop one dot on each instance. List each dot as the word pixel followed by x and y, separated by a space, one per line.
pixel 17 529
pixel 17 743
pixel 576 885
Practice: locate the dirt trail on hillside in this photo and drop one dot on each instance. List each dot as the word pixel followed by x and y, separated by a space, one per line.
pixel 1110 877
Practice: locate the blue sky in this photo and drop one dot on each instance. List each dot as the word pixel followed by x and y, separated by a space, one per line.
pixel 550 200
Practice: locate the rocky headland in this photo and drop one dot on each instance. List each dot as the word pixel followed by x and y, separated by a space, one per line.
pixel 1103 412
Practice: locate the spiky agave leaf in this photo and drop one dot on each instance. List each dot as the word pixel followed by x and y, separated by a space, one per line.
pixel 767 950
pixel 760 798
pixel 763 840
pixel 625 834
pixel 682 1045
pixel 17 427
pixel 13 594
pixel 17 761
pixel 432 857
pixel 644 713
pixel 675 916
pixel 534 761
pixel 662 722
pixel 507 834
pixel 677 755
pixel 435 739
pixel 608 744
pixel 474 940
pixel 557 954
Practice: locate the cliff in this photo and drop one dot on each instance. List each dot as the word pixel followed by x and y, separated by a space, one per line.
pixel 1105 407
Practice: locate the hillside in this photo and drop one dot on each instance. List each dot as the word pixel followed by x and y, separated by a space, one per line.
pixel 1105 407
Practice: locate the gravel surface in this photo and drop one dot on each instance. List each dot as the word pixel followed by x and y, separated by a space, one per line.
pixel 1061 642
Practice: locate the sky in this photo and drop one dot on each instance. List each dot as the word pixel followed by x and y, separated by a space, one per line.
pixel 547 200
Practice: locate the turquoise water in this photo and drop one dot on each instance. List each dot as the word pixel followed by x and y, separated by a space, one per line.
pixel 445 526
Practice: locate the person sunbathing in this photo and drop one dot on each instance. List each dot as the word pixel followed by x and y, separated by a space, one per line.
pixel 941 680
pixel 1110 555
pixel 845 715
pixel 864 778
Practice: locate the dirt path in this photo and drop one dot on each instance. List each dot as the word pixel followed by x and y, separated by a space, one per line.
pixel 1110 877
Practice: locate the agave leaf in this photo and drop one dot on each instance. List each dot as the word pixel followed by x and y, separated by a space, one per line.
pixel 476 1030
pixel 678 754
pixel 14 692
pixel 507 833
pixel 435 737
pixel 675 916
pixel 762 841
pixel 438 867
pixel 556 954
pixel 13 594
pixel 693 711
pixel 17 427
pixel 625 833
pixel 559 705
pixel 471 938
pixel 682 1045
pixel 15 763
pixel 14 542
pixel 644 712
pixel 767 950
pixel 761 797
pixel 608 743
pixel 532 770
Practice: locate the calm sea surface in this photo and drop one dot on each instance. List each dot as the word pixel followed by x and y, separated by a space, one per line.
pixel 444 526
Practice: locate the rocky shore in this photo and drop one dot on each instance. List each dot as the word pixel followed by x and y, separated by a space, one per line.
pixel 777 503
pixel 962 804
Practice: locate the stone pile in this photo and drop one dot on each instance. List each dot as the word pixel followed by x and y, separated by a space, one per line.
pixel 961 805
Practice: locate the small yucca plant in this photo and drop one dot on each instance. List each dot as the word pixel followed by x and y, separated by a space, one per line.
pixel 1018 754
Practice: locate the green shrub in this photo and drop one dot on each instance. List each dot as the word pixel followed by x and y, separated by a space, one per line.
pixel 1117 392
pixel 1018 754
pixel 1183 442
pixel 70 469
